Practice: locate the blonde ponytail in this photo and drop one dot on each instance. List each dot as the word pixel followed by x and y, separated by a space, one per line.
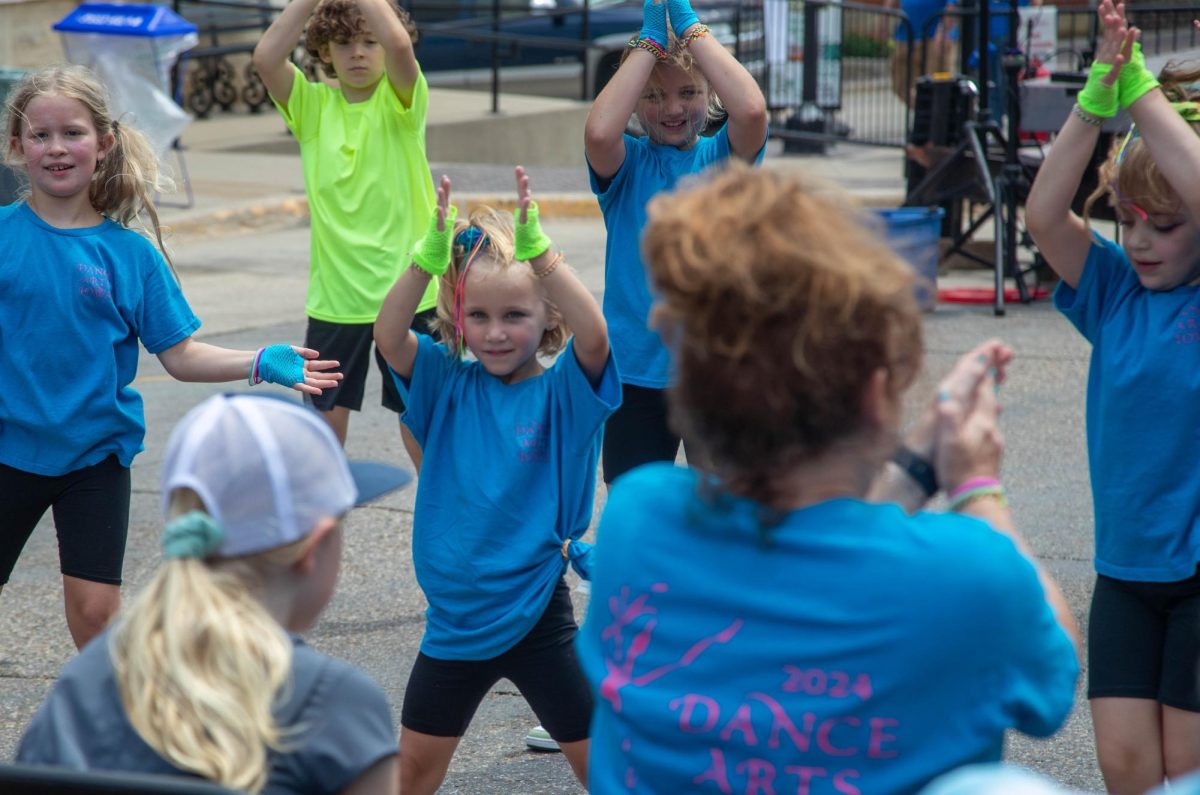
pixel 200 664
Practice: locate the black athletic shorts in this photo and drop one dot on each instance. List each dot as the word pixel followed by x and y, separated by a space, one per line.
pixel 91 516
pixel 352 346
pixel 442 695
pixel 1144 641
pixel 637 432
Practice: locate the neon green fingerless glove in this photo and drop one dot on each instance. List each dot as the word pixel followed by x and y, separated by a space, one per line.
pixel 530 241
pixel 1096 98
pixel 1135 79
pixel 432 252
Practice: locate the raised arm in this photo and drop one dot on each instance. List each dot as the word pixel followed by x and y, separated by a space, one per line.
pixel 604 130
pixel 273 52
pixel 1060 234
pixel 286 365
pixel 737 88
pixel 578 307
pixel 1172 142
pixel 400 62
pixel 431 256
pixel 968 451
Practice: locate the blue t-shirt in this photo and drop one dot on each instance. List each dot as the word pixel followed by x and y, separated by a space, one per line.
pixel 341 720
pixel 73 305
pixel 849 648
pixel 648 169
pixel 509 474
pixel 1143 417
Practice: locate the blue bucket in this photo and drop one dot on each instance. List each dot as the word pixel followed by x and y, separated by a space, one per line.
pixel 914 234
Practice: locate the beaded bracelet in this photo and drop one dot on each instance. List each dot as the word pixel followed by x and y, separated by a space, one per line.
pixel 651 46
pixel 1085 117
pixel 700 31
pixel 549 269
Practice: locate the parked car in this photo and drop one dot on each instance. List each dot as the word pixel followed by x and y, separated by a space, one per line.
pixel 453 34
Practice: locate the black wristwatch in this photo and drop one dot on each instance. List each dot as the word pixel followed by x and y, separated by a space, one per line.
pixel 918 468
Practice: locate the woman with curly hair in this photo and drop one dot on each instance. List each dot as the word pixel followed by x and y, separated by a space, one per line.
pixel 768 623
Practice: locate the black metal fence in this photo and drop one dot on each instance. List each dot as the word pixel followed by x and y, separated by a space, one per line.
pixel 832 70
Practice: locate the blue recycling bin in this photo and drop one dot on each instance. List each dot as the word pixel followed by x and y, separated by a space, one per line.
pixel 133 48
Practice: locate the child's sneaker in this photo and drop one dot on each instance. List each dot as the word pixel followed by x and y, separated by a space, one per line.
pixel 540 739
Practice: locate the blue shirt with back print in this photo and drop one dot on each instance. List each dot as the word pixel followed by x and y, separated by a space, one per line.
pixel 848 648
pixel 73 305
pixel 648 169
pixel 509 473
pixel 1143 416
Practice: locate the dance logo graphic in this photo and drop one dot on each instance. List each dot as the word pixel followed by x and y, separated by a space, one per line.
pixel 748 733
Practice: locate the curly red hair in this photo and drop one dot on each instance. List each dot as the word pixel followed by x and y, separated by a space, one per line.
pixel 779 302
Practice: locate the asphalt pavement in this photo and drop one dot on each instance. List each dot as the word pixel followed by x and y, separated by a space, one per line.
pixel 241 251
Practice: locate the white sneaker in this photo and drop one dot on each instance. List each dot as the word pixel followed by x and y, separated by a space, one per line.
pixel 540 739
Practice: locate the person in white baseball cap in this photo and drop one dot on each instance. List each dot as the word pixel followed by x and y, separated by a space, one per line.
pixel 203 675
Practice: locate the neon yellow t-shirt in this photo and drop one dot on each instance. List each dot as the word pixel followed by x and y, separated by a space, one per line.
pixel 369 191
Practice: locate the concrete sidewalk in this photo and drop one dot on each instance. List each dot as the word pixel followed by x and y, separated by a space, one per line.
pixel 245 174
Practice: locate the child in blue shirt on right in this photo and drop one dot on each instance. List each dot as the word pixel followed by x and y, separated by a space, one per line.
pixel 1138 304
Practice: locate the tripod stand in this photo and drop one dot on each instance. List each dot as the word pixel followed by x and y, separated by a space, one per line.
pixel 1001 191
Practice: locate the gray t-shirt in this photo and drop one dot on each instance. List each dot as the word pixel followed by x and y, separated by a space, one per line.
pixel 341 717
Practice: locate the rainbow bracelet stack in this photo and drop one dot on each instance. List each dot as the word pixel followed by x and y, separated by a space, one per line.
pixel 974 489
pixel 698 32
pixel 649 45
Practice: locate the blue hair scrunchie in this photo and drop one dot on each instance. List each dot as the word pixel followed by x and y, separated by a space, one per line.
pixel 192 535
pixel 468 237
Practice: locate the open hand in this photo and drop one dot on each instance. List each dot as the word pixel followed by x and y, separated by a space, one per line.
pixel 1116 41
pixel 443 202
pixel 967 438
pixel 524 197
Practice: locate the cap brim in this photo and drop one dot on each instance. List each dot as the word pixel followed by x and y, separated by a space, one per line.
pixel 373 479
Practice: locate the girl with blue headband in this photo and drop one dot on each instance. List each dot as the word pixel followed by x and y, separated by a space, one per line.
pixel 1138 304
pixel 507 483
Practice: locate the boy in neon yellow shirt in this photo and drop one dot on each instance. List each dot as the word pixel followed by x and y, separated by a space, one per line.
pixel 370 194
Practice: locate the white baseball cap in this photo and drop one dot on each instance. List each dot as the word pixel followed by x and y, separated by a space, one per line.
pixel 267 470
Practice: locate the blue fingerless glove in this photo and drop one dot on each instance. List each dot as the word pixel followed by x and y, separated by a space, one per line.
pixel 277 364
pixel 682 16
pixel 654 22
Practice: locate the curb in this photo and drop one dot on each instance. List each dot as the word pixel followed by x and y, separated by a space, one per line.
pixel 275 212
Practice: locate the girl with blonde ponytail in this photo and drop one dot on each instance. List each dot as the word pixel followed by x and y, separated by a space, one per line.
pixel 201 674
pixel 78 290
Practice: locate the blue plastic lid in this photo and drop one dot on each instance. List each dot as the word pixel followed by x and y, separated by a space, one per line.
pixel 124 19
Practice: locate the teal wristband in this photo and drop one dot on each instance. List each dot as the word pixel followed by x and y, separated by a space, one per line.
pixel 1096 98
pixel 1135 80
pixel 432 252
pixel 530 240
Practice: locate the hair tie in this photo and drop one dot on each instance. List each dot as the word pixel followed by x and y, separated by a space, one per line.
pixel 116 126
pixel 468 237
pixel 192 535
